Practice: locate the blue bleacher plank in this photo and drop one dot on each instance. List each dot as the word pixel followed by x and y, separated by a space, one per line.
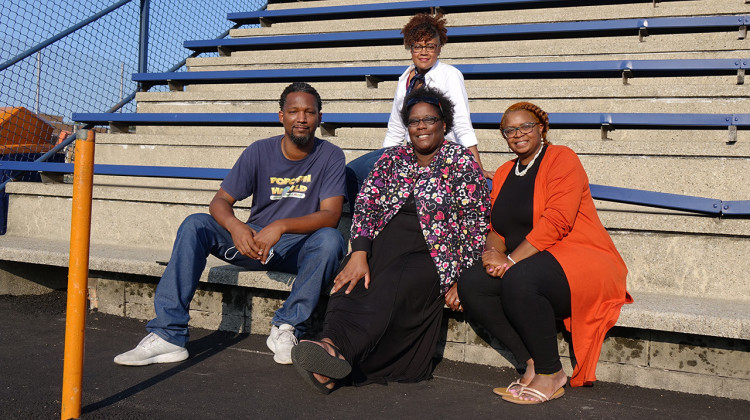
pixel 330 12
pixel 741 120
pixel 380 119
pixel 121 170
pixel 282 41
pixel 308 74
pixel 404 8
pixel 376 10
pixel 470 71
pixel 477 33
pixel 599 192
pixel 178 118
pixel 735 208
pixel 656 199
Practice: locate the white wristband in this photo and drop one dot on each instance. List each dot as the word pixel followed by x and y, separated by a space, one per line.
pixel 511 259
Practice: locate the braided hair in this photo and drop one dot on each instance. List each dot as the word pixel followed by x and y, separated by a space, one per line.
pixel 424 26
pixel 540 116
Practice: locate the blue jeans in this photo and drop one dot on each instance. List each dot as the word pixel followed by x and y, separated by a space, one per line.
pixel 313 257
pixel 356 173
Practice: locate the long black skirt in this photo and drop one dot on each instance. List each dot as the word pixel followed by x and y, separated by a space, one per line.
pixel 389 331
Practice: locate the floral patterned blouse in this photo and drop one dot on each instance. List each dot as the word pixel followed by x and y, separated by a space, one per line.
pixel 452 200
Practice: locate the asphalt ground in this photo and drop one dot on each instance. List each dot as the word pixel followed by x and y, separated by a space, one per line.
pixel 232 376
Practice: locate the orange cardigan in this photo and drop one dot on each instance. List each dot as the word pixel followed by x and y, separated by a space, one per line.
pixel 566 224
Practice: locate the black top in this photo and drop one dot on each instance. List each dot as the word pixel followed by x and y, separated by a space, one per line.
pixel 513 212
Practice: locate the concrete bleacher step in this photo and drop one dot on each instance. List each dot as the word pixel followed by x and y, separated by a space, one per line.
pixel 512 87
pixel 727 105
pixel 325 13
pixel 694 254
pixel 691 315
pixel 152 214
pixel 667 141
pixel 133 260
pixel 697 175
pixel 706 143
pixel 681 45
pixel 644 27
pixel 449 55
pixel 639 9
pixel 703 315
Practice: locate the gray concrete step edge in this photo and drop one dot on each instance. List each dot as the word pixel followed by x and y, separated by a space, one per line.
pixel 704 316
pixel 134 260
pixel 651 311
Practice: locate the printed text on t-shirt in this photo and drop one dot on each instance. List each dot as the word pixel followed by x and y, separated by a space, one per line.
pixel 289 187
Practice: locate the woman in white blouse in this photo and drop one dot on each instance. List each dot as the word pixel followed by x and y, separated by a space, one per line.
pixel 424 36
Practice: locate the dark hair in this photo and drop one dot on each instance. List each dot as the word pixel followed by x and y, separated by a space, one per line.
pixel 541 116
pixel 300 87
pixel 424 26
pixel 433 97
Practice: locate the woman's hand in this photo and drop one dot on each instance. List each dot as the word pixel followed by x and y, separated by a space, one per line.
pixel 452 300
pixel 492 256
pixel 354 270
pixel 496 271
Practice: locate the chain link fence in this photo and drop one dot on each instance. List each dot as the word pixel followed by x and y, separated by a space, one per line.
pixel 89 69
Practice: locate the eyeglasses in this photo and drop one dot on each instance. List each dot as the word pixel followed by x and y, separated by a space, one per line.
pixel 430 120
pixel 415 48
pixel 524 128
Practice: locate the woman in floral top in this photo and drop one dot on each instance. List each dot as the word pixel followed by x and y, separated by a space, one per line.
pixel 419 221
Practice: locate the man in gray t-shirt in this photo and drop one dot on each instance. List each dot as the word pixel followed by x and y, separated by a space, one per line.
pixel 297 186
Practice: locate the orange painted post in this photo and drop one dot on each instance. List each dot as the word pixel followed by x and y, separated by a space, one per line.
pixel 78 273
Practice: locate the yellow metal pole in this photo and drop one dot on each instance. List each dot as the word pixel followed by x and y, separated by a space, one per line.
pixel 78 273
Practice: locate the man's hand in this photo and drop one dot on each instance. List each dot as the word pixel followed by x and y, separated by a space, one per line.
pixel 243 237
pixel 355 269
pixel 267 238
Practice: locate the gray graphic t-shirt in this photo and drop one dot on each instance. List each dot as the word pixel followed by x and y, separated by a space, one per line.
pixel 283 188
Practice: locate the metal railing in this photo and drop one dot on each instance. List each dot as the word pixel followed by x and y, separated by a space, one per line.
pixel 67 56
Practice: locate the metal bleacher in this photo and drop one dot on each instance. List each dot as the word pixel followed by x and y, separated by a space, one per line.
pixel 373 75
pixel 601 28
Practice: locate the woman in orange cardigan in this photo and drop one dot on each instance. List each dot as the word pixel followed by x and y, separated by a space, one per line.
pixel 547 257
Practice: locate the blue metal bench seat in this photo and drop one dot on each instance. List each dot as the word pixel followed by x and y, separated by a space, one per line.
pixel 401 8
pixel 598 28
pixel 375 119
pixel 121 122
pixel 375 74
pixel 600 192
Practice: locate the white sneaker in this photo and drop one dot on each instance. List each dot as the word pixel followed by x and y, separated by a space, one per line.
pixel 152 349
pixel 280 341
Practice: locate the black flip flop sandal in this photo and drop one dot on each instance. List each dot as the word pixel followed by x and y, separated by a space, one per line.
pixel 312 357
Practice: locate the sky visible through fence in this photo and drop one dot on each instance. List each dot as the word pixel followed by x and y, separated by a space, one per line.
pixel 90 70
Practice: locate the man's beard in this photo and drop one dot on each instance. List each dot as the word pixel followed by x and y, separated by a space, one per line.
pixel 300 141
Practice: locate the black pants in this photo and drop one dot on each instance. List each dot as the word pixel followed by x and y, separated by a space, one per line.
pixel 521 308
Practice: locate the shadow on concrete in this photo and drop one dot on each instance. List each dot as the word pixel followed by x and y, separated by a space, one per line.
pixel 200 350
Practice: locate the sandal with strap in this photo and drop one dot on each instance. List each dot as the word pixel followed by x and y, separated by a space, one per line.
pixel 507 390
pixel 531 392
pixel 310 357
